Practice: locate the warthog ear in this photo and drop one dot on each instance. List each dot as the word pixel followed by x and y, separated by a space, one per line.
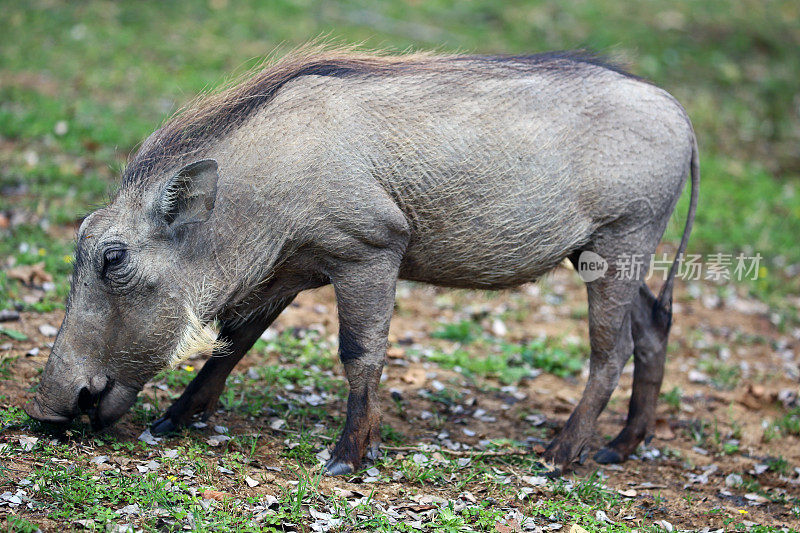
pixel 190 194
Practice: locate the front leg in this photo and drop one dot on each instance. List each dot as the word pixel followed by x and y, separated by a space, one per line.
pixel 365 298
pixel 202 394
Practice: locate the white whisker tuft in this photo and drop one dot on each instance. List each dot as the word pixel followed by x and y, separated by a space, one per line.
pixel 196 339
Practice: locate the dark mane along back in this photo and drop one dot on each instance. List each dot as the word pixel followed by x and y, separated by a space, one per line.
pixel 563 60
pixel 210 117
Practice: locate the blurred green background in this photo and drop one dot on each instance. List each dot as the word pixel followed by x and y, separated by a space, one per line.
pixel 81 83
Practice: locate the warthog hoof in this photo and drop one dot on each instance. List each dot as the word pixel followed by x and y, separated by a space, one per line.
pixel 548 469
pixel 335 467
pixel 341 467
pixel 606 456
pixel 162 426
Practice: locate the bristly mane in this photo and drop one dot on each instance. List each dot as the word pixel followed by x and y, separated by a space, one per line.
pixel 211 116
pixel 561 60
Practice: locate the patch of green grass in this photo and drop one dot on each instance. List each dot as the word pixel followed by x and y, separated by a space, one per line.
pixel 304 362
pixel 418 473
pixel 735 425
pixel 482 517
pixel 464 331
pixel 779 465
pixel 723 376
pixel 178 378
pixel 771 432
pixel 448 397
pixel 758 528
pixel 304 348
pixel 511 362
pixel 729 448
pixel 487 365
pixel 771 207
pixel 672 398
pixel 753 484
pixel 590 491
pixel 786 425
pixel 145 408
pixel 571 512
pixel 16 524
pixel 6 363
pixel 302 449
pixel 73 494
pixel 391 436
pixel 294 499
pixel 726 443
pixel 697 431
pixel 562 361
pixel 11 415
pixel 13 334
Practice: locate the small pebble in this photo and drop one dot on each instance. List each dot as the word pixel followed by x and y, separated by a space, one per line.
pixel 48 331
pixel 665 525
pixel 733 480
pixel 61 128
pixel 8 315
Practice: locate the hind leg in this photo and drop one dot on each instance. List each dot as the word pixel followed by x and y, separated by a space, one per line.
pixel 613 307
pixel 650 323
pixel 611 345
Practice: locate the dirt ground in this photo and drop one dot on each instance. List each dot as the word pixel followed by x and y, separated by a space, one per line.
pixel 684 476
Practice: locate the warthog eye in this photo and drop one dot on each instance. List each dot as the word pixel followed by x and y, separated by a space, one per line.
pixel 113 258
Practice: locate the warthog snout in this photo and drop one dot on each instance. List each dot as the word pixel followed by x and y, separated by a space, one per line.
pixel 44 413
pixel 61 398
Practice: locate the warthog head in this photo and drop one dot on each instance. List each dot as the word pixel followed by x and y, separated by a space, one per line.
pixel 132 308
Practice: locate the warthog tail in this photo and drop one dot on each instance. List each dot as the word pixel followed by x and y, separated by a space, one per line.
pixel 665 295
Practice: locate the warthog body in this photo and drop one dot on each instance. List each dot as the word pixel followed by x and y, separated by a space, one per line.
pixel 357 170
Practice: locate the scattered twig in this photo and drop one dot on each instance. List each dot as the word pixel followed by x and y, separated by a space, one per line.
pixel 457 453
pixel 460 453
pixel 14 425
pixel 288 432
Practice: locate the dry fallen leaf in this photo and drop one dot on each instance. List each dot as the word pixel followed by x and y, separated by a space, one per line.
pixel 30 274
pixel 575 528
pixel 565 396
pixel 347 494
pixel 396 352
pixel 754 397
pixel 414 376
pixel 756 498
pixel 663 431
pixel 511 527
pixel 536 481
pixel 216 495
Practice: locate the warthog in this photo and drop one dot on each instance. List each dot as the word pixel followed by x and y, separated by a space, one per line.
pixel 357 170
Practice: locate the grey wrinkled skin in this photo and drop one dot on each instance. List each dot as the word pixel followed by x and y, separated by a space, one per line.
pixel 358 170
